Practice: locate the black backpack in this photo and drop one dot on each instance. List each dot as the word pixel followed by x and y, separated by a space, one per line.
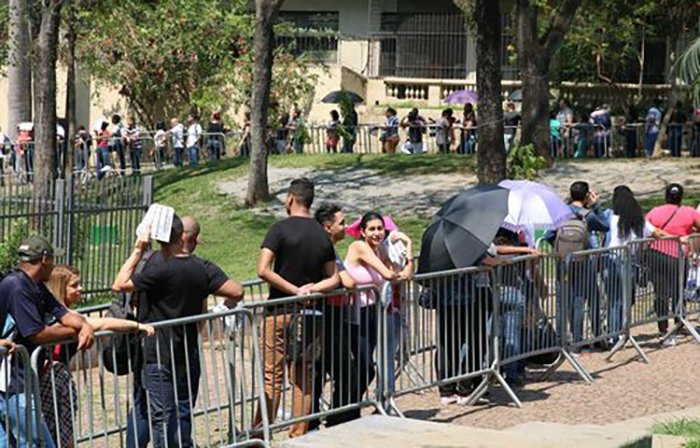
pixel 121 353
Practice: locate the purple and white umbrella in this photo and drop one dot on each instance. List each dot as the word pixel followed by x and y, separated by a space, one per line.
pixel 462 97
pixel 534 206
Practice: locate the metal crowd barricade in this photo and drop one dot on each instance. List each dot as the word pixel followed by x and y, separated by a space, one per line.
pixel 326 344
pixel 532 315
pixel 440 328
pixel 691 293
pixel 598 294
pixel 660 269
pixel 20 422
pixel 212 379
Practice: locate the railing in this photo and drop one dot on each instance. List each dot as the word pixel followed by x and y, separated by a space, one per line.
pixel 457 331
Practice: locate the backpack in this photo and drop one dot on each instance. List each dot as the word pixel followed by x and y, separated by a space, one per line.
pixel 572 236
pixel 121 353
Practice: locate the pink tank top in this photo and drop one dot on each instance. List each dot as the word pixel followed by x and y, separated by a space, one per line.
pixel 364 276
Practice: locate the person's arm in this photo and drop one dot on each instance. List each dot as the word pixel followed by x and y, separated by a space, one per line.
pixel 516 250
pixel 119 325
pixel 123 281
pixel 595 219
pixel 367 256
pixel 266 273
pixel 85 332
pixel 331 282
pixel 346 280
pixel 232 292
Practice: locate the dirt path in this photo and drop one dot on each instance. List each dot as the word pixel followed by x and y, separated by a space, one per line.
pixel 360 190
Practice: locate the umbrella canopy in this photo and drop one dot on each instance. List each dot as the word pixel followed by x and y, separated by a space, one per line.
pixel 354 230
pixel 534 205
pixel 337 96
pixel 463 228
pixel 517 96
pixel 462 97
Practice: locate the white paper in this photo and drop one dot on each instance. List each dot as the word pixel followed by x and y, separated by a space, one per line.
pixel 160 220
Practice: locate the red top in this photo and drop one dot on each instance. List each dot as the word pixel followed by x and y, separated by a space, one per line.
pixel 681 224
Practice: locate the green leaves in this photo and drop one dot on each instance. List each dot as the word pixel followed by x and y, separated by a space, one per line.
pixel 167 57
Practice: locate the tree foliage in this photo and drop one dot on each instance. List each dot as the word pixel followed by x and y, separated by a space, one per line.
pixel 167 57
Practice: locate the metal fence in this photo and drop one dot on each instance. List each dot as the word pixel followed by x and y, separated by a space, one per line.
pixel 94 222
pixel 300 362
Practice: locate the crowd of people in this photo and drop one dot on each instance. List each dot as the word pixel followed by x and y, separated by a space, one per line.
pixel 340 343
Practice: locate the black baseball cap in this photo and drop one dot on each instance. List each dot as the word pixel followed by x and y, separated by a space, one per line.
pixel 36 247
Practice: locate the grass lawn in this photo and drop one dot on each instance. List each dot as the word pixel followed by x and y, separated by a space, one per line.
pixel 690 429
pixel 231 234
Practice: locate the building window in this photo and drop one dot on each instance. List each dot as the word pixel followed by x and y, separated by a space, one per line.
pixel 312 34
pixel 423 45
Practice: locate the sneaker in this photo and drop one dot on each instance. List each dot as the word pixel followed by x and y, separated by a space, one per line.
pixel 669 342
pixel 447 400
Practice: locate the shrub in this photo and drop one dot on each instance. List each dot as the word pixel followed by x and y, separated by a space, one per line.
pixel 524 163
pixel 18 231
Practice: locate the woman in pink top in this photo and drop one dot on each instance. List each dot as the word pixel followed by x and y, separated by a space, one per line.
pixel 677 220
pixel 364 265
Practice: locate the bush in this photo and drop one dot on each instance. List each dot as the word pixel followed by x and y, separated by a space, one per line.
pixel 19 230
pixel 524 163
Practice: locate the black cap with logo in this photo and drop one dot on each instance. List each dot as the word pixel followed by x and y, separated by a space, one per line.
pixel 36 247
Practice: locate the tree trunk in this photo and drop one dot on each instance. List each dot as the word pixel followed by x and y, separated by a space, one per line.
pixel 45 98
pixel 19 70
pixel 70 88
pixel 535 53
pixel 266 12
pixel 491 157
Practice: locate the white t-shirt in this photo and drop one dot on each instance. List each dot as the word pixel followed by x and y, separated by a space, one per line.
pixel 177 133
pixel 159 138
pixel 615 237
pixel 193 134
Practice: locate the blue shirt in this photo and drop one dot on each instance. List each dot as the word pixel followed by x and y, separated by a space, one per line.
pixel 31 306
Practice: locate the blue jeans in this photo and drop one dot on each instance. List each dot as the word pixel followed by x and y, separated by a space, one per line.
pixel 581 288
pixel 675 139
pixel 170 402
pixel 214 150
pixel 137 434
pixel 118 147
pixel 135 156
pixel 616 276
pixel 650 142
pixel 193 155
pixel 513 307
pixel 177 159
pixel 393 329
pixel 102 160
pixel 13 409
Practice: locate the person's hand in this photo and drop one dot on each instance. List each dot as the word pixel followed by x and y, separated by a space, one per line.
pixel 535 251
pixel 305 290
pixel 685 239
pixel 592 197
pixel 406 273
pixel 144 239
pixel 148 329
pixel 86 337
pixel 9 345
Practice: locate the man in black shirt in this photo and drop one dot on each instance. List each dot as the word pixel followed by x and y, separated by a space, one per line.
pixel 297 258
pixel 176 285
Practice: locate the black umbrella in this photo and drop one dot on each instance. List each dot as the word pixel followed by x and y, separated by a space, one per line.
pixel 337 96
pixel 463 228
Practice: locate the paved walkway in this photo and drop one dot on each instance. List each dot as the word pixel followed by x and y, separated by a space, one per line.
pixel 360 190
pixel 623 389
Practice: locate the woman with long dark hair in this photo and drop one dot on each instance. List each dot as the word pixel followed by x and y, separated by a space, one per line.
pixel 627 223
pixel 368 266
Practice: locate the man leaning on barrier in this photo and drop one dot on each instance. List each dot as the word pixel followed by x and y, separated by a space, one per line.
pixel 25 303
pixel 297 258
pixel 176 285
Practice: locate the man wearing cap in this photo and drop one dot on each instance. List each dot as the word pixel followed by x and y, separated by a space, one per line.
pixel 25 303
pixel 176 285
pixel 678 220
